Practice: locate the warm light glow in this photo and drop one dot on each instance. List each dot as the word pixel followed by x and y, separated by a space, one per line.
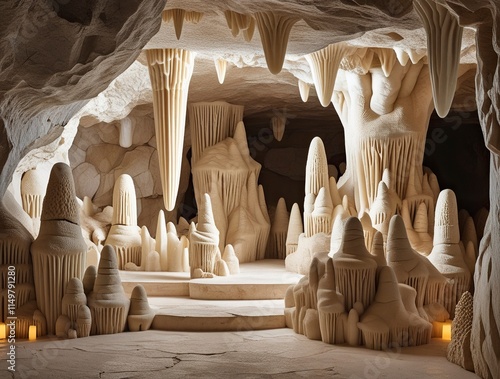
pixel 446 331
pixel 32 333
pixel 3 330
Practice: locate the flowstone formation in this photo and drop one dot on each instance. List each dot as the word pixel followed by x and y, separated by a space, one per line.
pixel 223 168
pixel 59 252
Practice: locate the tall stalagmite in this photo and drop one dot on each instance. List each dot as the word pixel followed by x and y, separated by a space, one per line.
pixel 59 251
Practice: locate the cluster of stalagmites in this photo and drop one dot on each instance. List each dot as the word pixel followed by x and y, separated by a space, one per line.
pixel 55 288
pixel 387 276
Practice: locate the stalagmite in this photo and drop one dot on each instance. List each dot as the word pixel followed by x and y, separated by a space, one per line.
pixel 295 229
pixel 447 254
pixel 261 225
pixel 320 219
pixel 212 123
pixel 108 303
pixel 459 350
pixel 59 251
pixel 278 124
pixel 73 298
pixel 382 209
pixel 386 321
pixel 203 240
pixel 274 30
pixel 89 279
pixel 220 67
pixel 33 185
pixel 233 264
pixel 15 242
pixel 354 266
pixel 316 178
pixel 277 237
pixel 140 316
pixel 162 241
pixel 304 90
pixel 377 249
pixel 338 232
pixel 444 39
pixel 331 310
pixel 408 265
pixel 125 235
pixel 83 321
pixel 170 71
pixel 179 16
pixel 324 65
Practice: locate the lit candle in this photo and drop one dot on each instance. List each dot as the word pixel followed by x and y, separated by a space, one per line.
pixel 446 331
pixel 32 333
pixel 3 330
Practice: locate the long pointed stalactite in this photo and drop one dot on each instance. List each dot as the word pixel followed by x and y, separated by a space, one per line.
pixel 170 71
pixel 444 38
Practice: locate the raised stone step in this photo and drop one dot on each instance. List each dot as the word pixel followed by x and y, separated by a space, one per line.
pixel 185 314
pixel 265 279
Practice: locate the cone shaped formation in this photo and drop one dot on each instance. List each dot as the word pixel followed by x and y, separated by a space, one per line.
pixel 295 229
pixel 277 240
pixel 231 260
pixel 447 255
pixel 378 249
pixel 274 31
pixel 459 349
pixel 140 315
pixel 203 239
pixel 386 321
pixel 444 39
pixel 108 303
pixel 278 124
pixel 59 251
pixel 382 209
pixel 179 16
pixel 73 298
pixel 32 192
pixel 170 72
pixel 124 201
pixel 408 265
pixel 355 268
pixel 60 199
pixel 83 321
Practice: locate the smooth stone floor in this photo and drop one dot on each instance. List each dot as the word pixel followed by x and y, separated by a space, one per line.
pixel 278 353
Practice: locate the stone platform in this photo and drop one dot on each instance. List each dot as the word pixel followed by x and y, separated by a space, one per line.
pixel 251 300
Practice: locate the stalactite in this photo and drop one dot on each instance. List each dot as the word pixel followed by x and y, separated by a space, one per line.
pixel 324 65
pixel 444 40
pixel 170 71
pixel 179 16
pixel 274 31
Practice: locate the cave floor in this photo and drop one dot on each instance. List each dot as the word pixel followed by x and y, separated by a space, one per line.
pixel 277 353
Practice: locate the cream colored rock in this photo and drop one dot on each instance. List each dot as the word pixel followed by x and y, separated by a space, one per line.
pixel 444 39
pixel 386 321
pixel 377 249
pixel 89 279
pixel 307 247
pixel 108 303
pixel 229 256
pixel 220 67
pixel 279 228
pixel 274 30
pixel 33 186
pixel 459 351
pixel 125 235
pixel 220 116
pixel 304 90
pixel 203 240
pixel 355 268
pixel 295 229
pixel 338 231
pixel 179 16
pixel 278 124
pixel 83 321
pixel 324 65
pixel 140 316
pixel 126 128
pixel 161 241
pixel 382 209
pixel 238 21
pixel 73 298
pixel 62 326
pixel 447 254
pixel 59 251
pixel 175 67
